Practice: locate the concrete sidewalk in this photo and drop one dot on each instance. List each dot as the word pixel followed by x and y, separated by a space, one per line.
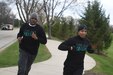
pixel 53 66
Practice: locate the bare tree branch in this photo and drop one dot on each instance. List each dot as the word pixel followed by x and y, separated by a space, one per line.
pixel 19 11
pixel 65 7
pixel 45 8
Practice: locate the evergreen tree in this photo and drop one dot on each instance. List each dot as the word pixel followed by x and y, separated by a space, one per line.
pixel 98 26
pixel 64 30
pixel 55 28
pixel 71 28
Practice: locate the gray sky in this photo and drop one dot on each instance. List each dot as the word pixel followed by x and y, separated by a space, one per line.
pixel 107 6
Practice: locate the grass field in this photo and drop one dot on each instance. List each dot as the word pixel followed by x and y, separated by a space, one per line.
pixel 104 63
pixel 9 57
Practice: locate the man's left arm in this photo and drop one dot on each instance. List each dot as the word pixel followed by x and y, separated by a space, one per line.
pixel 90 49
pixel 42 36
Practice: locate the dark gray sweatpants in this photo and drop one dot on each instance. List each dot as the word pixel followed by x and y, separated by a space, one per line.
pixel 25 62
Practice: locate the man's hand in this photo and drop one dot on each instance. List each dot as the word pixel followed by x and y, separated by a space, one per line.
pixel 34 36
pixel 19 39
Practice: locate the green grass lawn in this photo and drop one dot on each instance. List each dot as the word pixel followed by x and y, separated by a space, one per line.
pixel 104 63
pixel 9 57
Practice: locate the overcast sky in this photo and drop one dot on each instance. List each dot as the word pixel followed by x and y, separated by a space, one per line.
pixel 107 6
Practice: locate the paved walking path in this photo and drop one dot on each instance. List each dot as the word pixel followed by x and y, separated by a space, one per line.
pixel 53 66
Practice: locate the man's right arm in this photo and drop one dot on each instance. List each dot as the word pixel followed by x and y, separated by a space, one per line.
pixel 20 34
pixel 66 45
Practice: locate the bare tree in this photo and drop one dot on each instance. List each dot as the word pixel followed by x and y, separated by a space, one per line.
pixel 25 7
pixel 50 7
pixel 5 13
pixel 45 8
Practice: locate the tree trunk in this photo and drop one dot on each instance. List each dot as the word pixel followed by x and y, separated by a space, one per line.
pixel 49 31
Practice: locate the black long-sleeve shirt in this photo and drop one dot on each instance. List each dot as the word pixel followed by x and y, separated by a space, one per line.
pixel 29 44
pixel 75 57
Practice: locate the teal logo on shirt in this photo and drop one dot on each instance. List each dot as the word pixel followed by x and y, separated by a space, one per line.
pixel 81 47
pixel 28 33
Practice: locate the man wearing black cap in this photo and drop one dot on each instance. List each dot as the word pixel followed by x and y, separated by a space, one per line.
pixel 30 36
pixel 76 47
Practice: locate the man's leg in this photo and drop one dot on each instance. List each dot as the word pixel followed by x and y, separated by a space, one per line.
pixel 78 71
pixel 30 61
pixel 22 62
pixel 67 70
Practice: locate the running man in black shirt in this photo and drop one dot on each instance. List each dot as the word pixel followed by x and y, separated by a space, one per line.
pixel 30 36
